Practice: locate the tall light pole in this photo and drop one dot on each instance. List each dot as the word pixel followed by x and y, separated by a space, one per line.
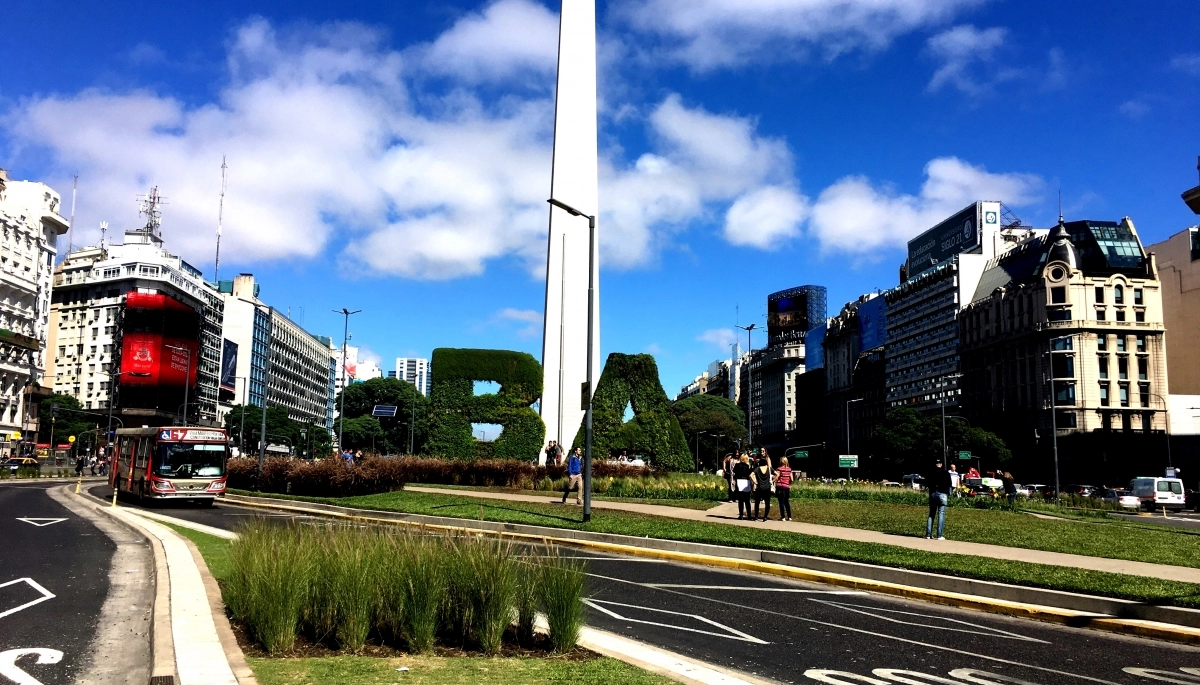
pixel 345 373
pixel 187 377
pixel 749 385
pixel 591 386
pixel 112 394
pixel 942 403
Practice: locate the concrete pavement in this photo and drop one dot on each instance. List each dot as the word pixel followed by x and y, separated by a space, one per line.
pixel 726 513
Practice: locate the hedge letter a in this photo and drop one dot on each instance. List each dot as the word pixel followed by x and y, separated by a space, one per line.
pixel 455 406
pixel 632 379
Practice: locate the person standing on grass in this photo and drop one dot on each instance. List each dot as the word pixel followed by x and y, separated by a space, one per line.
pixel 1010 490
pixel 783 489
pixel 727 471
pixel 955 479
pixel 939 499
pixel 763 486
pixel 741 480
pixel 574 476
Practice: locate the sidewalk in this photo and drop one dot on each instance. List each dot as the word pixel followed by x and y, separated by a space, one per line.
pixel 726 513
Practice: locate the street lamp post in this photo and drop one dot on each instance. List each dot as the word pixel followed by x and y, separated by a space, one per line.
pixel 942 403
pixel 698 434
pixel 112 393
pixel 345 373
pixel 749 385
pixel 187 377
pixel 591 386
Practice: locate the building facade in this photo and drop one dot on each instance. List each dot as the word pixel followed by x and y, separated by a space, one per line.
pixel 139 317
pixel 1178 260
pixel 31 224
pixel 1065 336
pixel 414 370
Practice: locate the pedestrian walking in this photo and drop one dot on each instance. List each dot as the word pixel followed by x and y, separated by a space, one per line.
pixel 763 487
pixel 741 480
pixel 939 499
pixel 574 476
pixel 553 453
pixel 79 464
pixel 783 489
pixel 1010 490
pixel 92 463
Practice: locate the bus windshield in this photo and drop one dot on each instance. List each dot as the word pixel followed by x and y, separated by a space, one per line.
pixel 189 460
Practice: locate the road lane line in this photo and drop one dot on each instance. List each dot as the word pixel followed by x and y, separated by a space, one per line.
pixel 1165 676
pixel 736 634
pixel 757 589
pixel 46 595
pixel 990 632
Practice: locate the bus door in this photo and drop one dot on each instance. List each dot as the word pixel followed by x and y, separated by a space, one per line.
pixel 142 463
pixel 123 469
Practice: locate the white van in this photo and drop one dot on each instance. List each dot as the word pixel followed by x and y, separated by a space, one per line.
pixel 1158 492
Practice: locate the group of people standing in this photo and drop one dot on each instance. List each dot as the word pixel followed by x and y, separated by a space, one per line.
pixel 91 462
pixel 754 477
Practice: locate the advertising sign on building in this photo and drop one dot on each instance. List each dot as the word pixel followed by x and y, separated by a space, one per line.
pixel 872 324
pixel 791 313
pixel 229 353
pixel 960 233
pixel 160 345
pixel 814 348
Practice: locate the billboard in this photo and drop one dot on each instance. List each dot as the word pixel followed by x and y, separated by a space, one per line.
pixel 160 345
pixel 791 313
pixel 814 350
pixel 229 352
pixel 872 323
pixel 960 233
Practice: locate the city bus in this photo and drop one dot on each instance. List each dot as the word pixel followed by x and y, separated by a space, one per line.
pixel 170 463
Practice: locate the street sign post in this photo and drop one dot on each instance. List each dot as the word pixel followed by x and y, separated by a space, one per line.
pixel 848 461
pixel 385 410
pixel 801 455
pixel 964 455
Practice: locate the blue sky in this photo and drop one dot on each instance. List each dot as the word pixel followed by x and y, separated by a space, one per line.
pixel 394 157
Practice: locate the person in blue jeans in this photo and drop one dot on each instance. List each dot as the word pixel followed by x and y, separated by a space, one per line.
pixel 574 476
pixel 939 498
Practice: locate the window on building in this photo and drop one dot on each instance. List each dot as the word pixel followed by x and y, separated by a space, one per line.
pixel 1195 243
pixel 1063 366
pixel 1143 364
pixel 1060 344
pixel 1064 393
pixel 1059 314
pixel 1104 393
pixel 92 350
pixel 1124 395
pixel 1100 314
pixel 1123 368
pixel 1141 343
pixel 1099 294
pixel 1139 316
pixel 1101 342
pixel 1065 419
pixel 1119 294
pixel 1120 314
pixel 1137 296
pixel 62 351
pixel 1120 343
pixel 1144 392
pixel 1104 367
pixel 1058 294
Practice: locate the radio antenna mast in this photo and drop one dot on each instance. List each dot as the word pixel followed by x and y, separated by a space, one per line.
pixel 71 228
pixel 220 220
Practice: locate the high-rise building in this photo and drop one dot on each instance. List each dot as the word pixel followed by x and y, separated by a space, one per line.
pixel 31 224
pixel 772 371
pixel 853 359
pixel 415 370
pixel 274 356
pixel 138 316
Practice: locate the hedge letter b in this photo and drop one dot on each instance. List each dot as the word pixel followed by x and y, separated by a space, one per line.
pixel 455 406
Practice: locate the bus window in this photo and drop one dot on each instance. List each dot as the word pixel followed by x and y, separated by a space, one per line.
pixel 143 449
pixel 182 460
pixel 126 449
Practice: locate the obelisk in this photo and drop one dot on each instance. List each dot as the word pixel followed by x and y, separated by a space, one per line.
pixel 574 181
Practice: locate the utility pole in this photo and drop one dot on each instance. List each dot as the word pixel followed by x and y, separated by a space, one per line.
pixel 345 373
pixel 220 220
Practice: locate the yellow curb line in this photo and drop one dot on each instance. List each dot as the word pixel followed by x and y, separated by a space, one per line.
pixel 1068 617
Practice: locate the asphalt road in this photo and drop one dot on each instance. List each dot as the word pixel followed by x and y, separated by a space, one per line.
pixel 800 632
pixel 53 582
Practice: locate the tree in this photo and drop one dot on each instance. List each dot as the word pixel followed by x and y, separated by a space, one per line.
pixel 318 441
pixel 412 408
pixel 69 421
pixel 281 429
pixel 721 422
pixel 907 441
pixel 363 433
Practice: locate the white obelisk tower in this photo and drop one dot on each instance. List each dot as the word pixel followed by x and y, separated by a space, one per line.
pixel 574 182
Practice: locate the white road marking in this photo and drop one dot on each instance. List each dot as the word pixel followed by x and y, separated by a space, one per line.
pixel 757 589
pixel 978 677
pixel 46 594
pixel 8 663
pixel 41 522
pixel 1166 676
pixel 824 675
pixel 732 634
pixel 1193 671
pixel 913 677
pixel 874 612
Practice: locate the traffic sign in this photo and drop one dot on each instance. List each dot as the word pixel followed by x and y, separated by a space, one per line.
pixel 71 438
pixel 848 461
pixel 964 455
pixel 801 455
pixel 383 410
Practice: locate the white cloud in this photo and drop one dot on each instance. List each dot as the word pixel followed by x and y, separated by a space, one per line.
pixel 854 216
pixel 507 38
pixel 766 217
pixel 709 34
pixel 959 49
pixel 530 321
pixel 721 338
pixel 1134 109
pixel 1189 63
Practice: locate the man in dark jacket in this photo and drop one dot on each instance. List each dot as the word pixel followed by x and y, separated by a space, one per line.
pixel 574 476
pixel 939 497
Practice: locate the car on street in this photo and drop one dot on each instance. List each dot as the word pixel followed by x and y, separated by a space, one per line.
pixel 1159 492
pixel 912 480
pixel 1080 490
pixel 1123 498
pixel 21 463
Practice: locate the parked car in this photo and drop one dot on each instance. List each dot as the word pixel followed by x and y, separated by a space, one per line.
pixel 1079 490
pixel 21 463
pixel 912 480
pixel 1124 498
pixel 1159 492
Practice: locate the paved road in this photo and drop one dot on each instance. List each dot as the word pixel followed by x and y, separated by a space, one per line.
pixel 53 583
pixel 793 632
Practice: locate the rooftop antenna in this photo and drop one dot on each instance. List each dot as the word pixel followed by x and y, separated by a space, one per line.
pixel 220 219
pixel 151 208
pixel 103 230
pixel 71 228
pixel 1060 215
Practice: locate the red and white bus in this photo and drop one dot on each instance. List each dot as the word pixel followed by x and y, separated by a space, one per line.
pixel 171 463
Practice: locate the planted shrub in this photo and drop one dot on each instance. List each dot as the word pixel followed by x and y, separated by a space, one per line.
pixel 423 586
pixel 562 598
pixel 527 598
pixel 354 576
pixel 268 587
pixel 492 590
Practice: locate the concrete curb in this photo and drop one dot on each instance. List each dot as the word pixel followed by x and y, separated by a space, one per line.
pixel 1076 610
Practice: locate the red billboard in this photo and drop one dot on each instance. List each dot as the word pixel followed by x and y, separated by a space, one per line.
pixel 160 347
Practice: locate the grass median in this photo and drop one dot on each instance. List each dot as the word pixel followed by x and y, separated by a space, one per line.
pixel 1149 590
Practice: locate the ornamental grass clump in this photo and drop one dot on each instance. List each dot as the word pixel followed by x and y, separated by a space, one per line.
pixel 561 586
pixel 491 591
pixel 269 584
pixel 354 576
pixel 422 580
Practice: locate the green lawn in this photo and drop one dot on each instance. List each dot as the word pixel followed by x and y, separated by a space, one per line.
pixel 215 550
pixel 700 504
pixel 352 670
pixel 1000 570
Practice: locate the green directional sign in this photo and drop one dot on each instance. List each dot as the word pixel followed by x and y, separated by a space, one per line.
pixel 848 461
pixel 801 455
pixel 964 455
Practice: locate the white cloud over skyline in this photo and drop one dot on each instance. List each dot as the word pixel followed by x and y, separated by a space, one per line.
pixel 720 338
